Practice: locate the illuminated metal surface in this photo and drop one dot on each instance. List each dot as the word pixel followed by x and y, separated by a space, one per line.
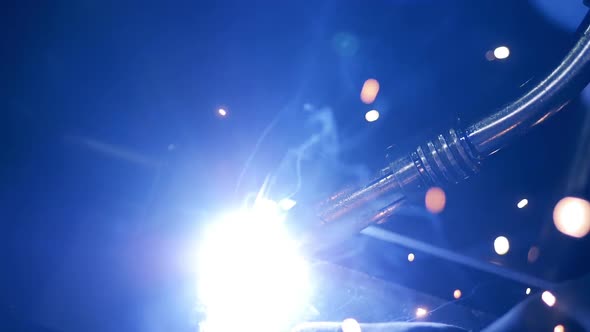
pixel 343 293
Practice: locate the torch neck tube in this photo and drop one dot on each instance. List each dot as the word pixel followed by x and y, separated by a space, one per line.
pixel 546 98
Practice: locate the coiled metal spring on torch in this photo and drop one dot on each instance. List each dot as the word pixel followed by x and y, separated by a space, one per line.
pixel 447 159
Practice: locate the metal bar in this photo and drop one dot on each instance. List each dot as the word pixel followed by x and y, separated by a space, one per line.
pixel 391 237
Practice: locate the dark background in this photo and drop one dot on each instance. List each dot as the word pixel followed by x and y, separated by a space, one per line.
pixel 113 155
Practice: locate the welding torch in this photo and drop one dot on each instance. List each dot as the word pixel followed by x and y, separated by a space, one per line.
pixel 450 157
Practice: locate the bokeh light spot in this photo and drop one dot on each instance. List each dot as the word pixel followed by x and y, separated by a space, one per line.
pixel 490 56
pixel 350 325
pixel 522 203
pixel 559 328
pixel 502 52
pixel 411 257
pixel 571 216
pixel 435 200
pixel 372 115
pixel 369 91
pixel 528 291
pixel 548 298
pixel 222 112
pixel 533 254
pixel 501 245
pixel 421 312
pixel 457 293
